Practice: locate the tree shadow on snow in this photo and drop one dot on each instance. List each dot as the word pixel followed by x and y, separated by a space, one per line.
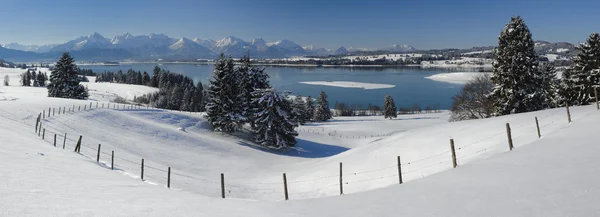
pixel 303 149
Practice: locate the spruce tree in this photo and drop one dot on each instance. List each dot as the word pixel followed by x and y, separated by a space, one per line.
pixel 34 76
pixel 516 76
pixel 64 82
pixel 580 80
pixel 389 107
pixel 221 96
pixel 309 107
pixel 299 110
pixel 274 122
pixel 145 79
pixel 322 112
pixel 198 98
pixel 245 87
pixel 550 85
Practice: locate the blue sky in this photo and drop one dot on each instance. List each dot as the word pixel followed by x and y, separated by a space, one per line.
pixel 323 23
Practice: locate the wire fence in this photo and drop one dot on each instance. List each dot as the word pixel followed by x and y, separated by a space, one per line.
pixel 326 185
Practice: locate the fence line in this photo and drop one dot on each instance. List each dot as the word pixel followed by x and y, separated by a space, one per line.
pixel 177 177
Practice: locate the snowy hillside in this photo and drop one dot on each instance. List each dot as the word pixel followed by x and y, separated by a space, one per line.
pixel 531 179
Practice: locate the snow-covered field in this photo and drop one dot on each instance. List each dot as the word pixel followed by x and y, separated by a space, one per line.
pixel 38 179
pixel 350 84
pixel 455 77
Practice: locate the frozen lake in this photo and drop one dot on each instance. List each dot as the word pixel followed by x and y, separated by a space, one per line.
pixel 407 85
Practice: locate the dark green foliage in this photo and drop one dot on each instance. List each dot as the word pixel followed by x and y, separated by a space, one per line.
pixel 322 112
pixel 222 96
pixel 389 107
pixel 580 80
pixel 516 77
pixel 64 82
pixel 274 121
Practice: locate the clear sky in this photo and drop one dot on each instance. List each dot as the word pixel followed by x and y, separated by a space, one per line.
pixel 425 24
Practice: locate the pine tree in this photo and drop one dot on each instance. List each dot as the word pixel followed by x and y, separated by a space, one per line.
pixel 322 113
pixel 389 107
pixel 198 98
pixel 274 125
pixel 40 81
pixel 26 79
pixel 34 76
pixel 245 88
pixel 64 82
pixel 550 85
pixel 221 96
pixel 309 107
pixel 299 110
pixel 580 80
pixel 145 79
pixel 516 76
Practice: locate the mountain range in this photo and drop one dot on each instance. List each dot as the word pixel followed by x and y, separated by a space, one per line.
pixel 96 47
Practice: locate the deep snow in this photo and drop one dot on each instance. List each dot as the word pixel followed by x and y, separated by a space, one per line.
pixel 552 176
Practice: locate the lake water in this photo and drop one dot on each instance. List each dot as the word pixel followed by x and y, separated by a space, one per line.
pixel 411 85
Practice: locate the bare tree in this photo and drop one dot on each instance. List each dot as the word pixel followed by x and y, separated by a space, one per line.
pixel 6 80
pixel 472 102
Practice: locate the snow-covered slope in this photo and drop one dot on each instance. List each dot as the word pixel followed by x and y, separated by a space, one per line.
pixel 558 168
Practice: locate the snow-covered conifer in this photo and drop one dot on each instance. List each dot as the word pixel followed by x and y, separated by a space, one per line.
pixel 578 82
pixel 222 95
pixel 274 124
pixel 389 107
pixel 516 78
pixel 64 81
pixel 309 107
pixel 322 112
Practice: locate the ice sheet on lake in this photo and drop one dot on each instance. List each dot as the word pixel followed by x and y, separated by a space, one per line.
pixel 454 77
pixel 350 84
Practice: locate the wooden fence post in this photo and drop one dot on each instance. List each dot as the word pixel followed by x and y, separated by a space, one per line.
pixel 79 109
pixel 399 171
pixel 509 135
pixel 341 181
pixel 48 111
pixel 568 112
pixel 222 185
pixel 59 110
pixel 64 140
pixel 169 178
pixel 64 110
pixel 454 163
pixel 285 190
pixel 98 156
pixel 44 134
pixel 112 160
pixel 102 105
pixel 55 140
pixel 537 123
pixel 78 146
pixel 37 123
pixel 96 104
pixel 44 116
pixel 85 107
pixel 53 112
pixel 142 169
pixel 40 130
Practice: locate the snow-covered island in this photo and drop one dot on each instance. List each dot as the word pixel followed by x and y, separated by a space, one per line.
pixel 455 77
pixel 350 84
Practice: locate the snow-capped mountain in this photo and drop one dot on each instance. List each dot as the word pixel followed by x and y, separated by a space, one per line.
pixel 94 40
pixel 314 51
pixel 186 48
pixel 32 48
pixel 208 43
pixel 341 51
pixel 260 45
pixel 401 48
pixel 159 46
